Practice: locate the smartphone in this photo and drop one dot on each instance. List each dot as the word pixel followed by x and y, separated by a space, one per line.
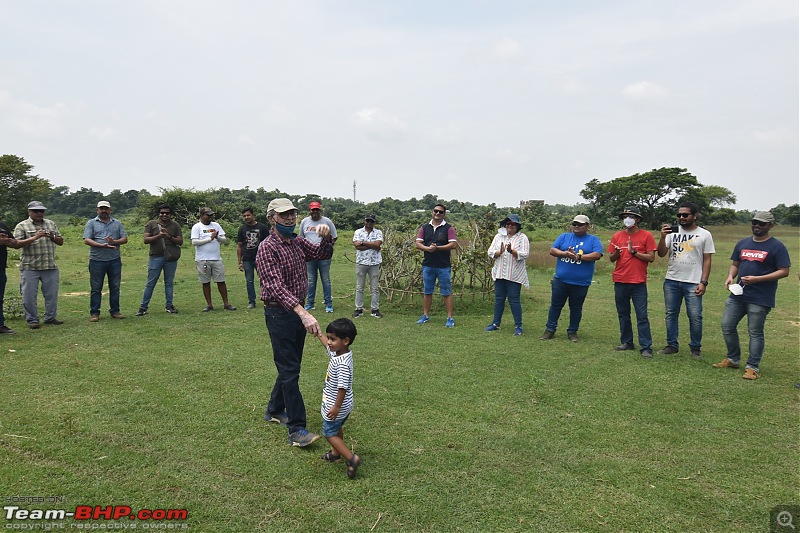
pixel 674 227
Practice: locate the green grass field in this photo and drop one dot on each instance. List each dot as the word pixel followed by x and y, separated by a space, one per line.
pixel 459 429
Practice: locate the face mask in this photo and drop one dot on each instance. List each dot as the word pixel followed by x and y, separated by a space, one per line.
pixel 284 230
pixel 629 222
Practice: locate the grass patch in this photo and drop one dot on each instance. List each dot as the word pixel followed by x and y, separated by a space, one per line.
pixel 460 430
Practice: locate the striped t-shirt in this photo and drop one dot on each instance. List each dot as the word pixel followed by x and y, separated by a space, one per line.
pixel 339 376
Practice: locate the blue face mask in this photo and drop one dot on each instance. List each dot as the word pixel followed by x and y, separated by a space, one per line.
pixel 284 230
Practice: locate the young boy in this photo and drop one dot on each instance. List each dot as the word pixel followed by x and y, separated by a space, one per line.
pixel 337 395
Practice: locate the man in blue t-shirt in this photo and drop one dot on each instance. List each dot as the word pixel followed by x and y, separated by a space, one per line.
pixel 759 261
pixel 576 253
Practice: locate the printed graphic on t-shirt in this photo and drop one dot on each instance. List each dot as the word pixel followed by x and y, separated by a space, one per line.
pixel 759 256
pixel 681 244
pixel 251 239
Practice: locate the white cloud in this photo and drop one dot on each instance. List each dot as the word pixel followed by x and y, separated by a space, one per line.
pixel 245 139
pixel 776 138
pixel 507 47
pixel 379 125
pixel 645 91
pixel 103 133
pixel 444 135
pixel 34 121
pixel 507 154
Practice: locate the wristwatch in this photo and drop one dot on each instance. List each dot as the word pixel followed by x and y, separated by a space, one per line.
pixel 704 282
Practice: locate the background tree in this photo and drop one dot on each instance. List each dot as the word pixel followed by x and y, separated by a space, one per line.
pixel 654 193
pixel 18 187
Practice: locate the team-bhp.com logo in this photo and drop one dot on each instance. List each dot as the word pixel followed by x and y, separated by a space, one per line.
pixel 94 512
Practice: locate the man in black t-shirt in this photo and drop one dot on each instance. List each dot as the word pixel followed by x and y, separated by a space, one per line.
pixel 249 237
pixel 6 240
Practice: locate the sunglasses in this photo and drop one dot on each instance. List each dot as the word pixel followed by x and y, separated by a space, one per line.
pixel 165 213
pixel 759 223
pixel 576 224
pixel 683 215
pixel 438 211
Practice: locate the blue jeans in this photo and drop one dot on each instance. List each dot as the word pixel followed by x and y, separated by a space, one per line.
pixel 323 266
pixel 154 267
pixel 624 293
pixel 674 293
pixel 735 310
pixel 3 280
pixel 560 292
pixel 98 270
pixel 507 289
pixel 249 279
pixel 288 336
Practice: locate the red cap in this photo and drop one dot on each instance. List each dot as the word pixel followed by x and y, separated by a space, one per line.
pixel 315 205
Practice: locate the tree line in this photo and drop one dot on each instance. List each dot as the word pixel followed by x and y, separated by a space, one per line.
pixel 655 193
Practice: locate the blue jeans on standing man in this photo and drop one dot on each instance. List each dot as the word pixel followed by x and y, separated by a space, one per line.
pixel 249 268
pixel 287 336
pixel 735 310
pixel 624 293
pixel 323 266
pixel 98 270
pixel 674 293
pixel 507 289
pixel 560 293
pixel 154 267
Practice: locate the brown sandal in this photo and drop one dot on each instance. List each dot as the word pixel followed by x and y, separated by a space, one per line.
pixel 331 457
pixel 352 466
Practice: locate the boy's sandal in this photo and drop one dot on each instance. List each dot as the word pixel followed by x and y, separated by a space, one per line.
pixel 331 457
pixel 352 466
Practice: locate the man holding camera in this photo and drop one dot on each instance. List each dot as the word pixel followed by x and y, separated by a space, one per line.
pixel 689 264
pixel 37 237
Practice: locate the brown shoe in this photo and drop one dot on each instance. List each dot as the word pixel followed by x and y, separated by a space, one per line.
pixel 573 337
pixel 749 373
pixel 547 335
pixel 54 322
pixel 725 363
pixel 94 318
pixel 118 316
pixel 33 325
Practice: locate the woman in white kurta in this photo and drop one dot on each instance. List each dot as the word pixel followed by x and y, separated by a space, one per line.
pixel 509 250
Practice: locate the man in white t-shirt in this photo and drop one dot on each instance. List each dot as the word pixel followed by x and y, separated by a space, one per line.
pixel 688 268
pixel 308 229
pixel 206 238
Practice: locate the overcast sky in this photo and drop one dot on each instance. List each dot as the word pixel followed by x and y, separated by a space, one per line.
pixel 480 100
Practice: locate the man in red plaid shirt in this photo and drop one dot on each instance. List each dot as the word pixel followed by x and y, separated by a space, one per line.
pixel 281 266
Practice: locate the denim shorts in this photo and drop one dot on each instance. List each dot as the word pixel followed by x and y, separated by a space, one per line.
pixel 331 428
pixel 429 277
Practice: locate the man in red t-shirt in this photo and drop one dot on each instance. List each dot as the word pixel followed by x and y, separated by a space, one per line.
pixel 632 249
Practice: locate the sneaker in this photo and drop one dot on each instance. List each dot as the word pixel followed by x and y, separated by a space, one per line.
pixel 547 335
pixel 749 373
pixel 302 438
pixel 251 306
pixel 308 307
pixel 623 347
pixel 56 322
pixel 171 310
pixel 208 308
pixel 376 314
pixel 143 311
pixel 94 318
pixel 517 331
pixel 230 307
pixel 450 322
pixel 7 330
pixel 492 327
pixel 696 353
pixel 329 309
pixel 725 363
pixel 357 313
pixel 647 354
pixel 423 319
pixel 573 337
pixel 280 418
pixel 668 350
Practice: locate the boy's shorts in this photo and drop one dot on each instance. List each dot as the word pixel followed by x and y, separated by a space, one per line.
pixel 208 271
pixel 429 277
pixel 331 428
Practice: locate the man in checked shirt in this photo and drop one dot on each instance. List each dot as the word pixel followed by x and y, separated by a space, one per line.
pixel 281 266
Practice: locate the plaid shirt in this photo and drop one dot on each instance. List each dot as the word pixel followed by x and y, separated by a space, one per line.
pixel 41 253
pixel 281 267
